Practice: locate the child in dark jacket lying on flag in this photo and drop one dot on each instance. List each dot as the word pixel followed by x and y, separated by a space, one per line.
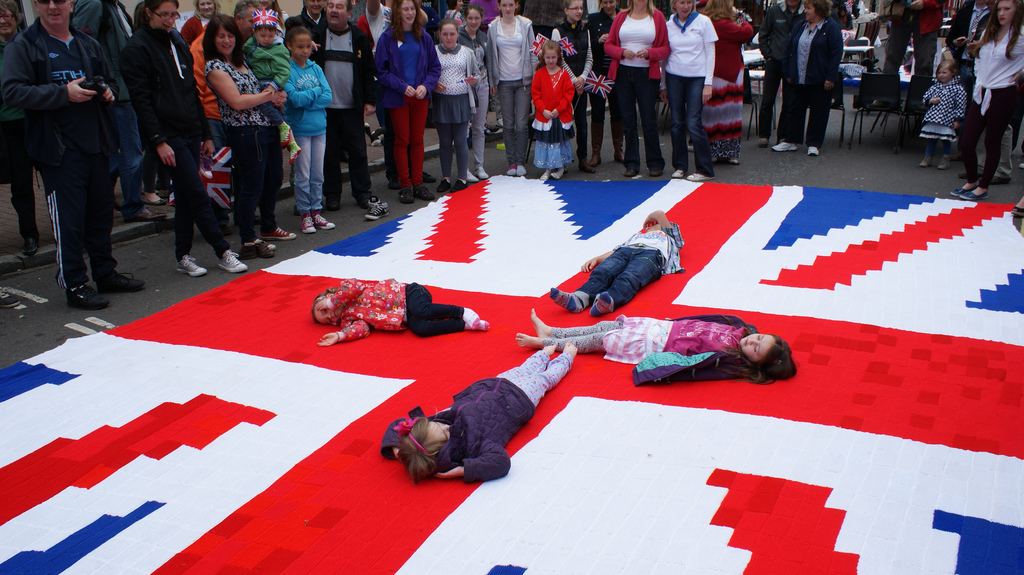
pixel 616 276
pixel 357 305
pixel 468 439
pixel 691 348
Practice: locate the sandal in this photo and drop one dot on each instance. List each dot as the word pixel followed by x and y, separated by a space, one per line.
pixel 1017 212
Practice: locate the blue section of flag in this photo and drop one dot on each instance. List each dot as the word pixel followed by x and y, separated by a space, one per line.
pixel 986 548
pixel 22 377
pixel 595 208
pixel 823 209
pixel 506 570
pixel 363 245
pixel 77 545
pixel 1006 297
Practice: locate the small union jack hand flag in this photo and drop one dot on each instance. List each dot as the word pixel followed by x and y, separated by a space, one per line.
pixel 598 84
pixel 538 44
pixel 567 48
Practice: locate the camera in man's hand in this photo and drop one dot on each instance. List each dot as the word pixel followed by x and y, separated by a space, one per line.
pixel 96 84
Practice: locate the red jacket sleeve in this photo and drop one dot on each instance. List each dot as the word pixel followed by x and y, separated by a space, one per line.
pixel 537 93
pixel 566 91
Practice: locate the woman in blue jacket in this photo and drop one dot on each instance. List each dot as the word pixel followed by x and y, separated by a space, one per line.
pixel 408 69
pixel 468 439
pixel 811 65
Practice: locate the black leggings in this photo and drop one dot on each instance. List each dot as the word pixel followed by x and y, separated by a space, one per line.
pixel 426 318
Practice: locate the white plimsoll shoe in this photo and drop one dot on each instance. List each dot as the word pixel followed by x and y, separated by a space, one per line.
pixel 471 178
pixel 812 151
pixel 229 263
pixel 188 265
pixel 785 147
pixel 480 173
pixel 678 174
pixel 544 177
pixel 521 171
pixel 698 177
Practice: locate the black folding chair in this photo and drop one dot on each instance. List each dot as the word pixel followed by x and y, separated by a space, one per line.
pixel 913 107
pixel 839 103
pixel 878 93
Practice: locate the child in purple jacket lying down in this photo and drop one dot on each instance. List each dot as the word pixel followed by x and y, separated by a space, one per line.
pixel 468 439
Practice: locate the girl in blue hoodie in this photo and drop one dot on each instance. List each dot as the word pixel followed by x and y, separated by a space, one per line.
pixel 305 110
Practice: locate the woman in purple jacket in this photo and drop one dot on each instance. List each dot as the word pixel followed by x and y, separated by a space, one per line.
pixel 468 439
pixel 408 69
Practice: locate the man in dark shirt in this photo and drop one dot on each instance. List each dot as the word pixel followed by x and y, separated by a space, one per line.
pixel 772 38
pixel 70 138
pixel 314 20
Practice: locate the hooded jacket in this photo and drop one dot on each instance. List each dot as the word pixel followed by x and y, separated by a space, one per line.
pixel 667 366
pixel 482 419
pixel 162 87
pixel 525 29
pixel 28 84
pixel 100 19
pixel 389 68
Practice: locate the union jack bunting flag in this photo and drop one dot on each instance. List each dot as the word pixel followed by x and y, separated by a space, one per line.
pixel 219 185
pixel 538 43
pixel 598 84
pixel 567 48
pixel 264 18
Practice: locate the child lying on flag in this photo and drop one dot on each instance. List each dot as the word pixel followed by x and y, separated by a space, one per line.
pixel 616 276
pixel 358 305
pixel 468 439
pixel 695 348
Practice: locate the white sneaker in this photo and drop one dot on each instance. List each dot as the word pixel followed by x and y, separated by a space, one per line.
pixel 471 178
pixel 511 171
pixel 785 147
pixel 521 171
pixel 678 174
pixel 480 173
pixel 188 265
pixel 307 224
pixel 229 263
pixel 812 151
pixel 698 177
pixel 557 174
pixel 544 177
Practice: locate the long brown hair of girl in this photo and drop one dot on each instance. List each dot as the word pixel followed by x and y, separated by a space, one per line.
pixel 992 28
pixel 549 45
pixel 417 24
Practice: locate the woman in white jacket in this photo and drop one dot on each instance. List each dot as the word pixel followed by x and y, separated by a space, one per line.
pixel 510 65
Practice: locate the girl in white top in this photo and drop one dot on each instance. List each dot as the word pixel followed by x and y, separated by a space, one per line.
pixel 686 87
pixel 453 107
pixel 510 63
pixel 999 57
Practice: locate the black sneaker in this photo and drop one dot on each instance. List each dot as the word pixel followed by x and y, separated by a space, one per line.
pixel 405 196
pixel 393 183
pixel 428 179
pixel 117 282
pixel 377 210
pixel 332 203
pixel 444 186
pixel 423 193
pixel 459 185
pixel 84 297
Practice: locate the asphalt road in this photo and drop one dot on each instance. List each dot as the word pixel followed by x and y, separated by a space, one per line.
pixel 44 324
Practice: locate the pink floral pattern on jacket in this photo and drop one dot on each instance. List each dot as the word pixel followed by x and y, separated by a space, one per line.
pixel 366 304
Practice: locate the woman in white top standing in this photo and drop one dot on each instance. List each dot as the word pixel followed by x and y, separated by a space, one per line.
pixel 510 64
pixel 687 87
pixel 637 42
pixel 999 60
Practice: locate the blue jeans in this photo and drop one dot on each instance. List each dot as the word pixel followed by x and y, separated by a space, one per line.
pixel 636 88
pixel 929 147
pixel 256 159
pixel 127 163
pixel 685 97
pixel 309 173
pixel 623 273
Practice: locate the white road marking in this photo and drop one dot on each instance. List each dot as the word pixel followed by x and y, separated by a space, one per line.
pixel 79 328
pixel 100 322
pixel 24 295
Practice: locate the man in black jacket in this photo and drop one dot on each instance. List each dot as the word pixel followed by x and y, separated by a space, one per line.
pixel 70 139
pixel 108 23
pixel 771 39
pixel 349 68
pixel 313 19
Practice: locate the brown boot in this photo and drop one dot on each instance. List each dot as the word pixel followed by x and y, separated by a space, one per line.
pixel 596 141
pixel 617 141
pixel 585 167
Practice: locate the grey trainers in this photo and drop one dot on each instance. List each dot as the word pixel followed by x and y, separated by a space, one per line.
pixel 229 263
pixel 376 210
pixel 188 265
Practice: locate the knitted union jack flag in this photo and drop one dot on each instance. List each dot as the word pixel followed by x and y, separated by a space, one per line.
pixel 264 18
pixel 598 84
pixel 567 48
pixel 538 44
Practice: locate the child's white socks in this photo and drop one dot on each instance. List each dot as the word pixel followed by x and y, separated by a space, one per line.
pixel 473 321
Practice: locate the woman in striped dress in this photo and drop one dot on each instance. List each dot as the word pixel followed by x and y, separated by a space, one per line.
pixel 723 113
